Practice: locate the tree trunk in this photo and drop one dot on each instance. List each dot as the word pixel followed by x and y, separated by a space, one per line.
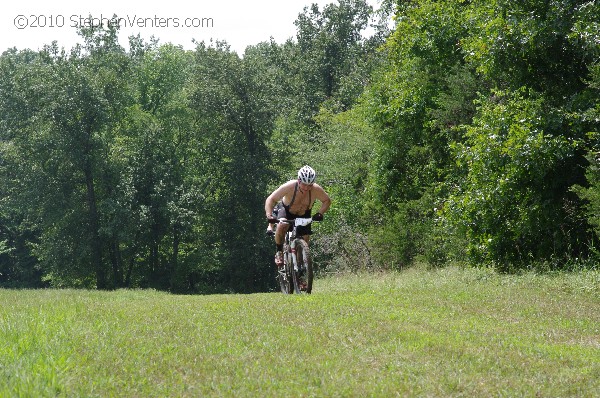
pixel 94 228
pixel 174 259
pixel 129 271
pixel 117 263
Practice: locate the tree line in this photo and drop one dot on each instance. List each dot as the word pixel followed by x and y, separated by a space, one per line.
pixel 467 132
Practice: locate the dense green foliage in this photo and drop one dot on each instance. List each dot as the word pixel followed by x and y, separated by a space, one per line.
pixel 484 113
pixel 469 132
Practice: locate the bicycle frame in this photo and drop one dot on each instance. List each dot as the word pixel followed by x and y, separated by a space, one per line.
pixel 296 274
pixel 291 239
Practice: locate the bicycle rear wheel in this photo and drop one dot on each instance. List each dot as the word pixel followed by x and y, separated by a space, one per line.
pixel 284 274
pixel 303 276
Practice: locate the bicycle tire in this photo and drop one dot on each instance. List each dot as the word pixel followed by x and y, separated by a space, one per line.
pixel 284 274
pixel 303 277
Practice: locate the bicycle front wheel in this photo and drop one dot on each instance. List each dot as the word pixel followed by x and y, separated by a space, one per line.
pixel 284 274
pixel 303 275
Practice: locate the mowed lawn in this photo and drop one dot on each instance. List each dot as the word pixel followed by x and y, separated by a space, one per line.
pixel 448 332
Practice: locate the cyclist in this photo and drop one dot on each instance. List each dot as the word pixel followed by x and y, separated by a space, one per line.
pixel 294 199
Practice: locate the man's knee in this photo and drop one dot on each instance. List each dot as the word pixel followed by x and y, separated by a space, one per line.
pixel 280 232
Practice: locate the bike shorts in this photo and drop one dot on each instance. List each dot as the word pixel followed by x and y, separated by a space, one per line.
pixel 283 213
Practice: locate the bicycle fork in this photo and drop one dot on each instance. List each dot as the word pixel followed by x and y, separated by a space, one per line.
pixel 299 263
pixel 293 247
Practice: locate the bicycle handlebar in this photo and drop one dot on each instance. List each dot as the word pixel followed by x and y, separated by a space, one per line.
pixel 297 221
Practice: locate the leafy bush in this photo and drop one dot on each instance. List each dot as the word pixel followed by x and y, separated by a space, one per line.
pixel 514 205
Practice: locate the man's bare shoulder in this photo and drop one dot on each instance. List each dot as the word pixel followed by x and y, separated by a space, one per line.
pixel 318 187
pixel 284 189
pixel 290 184
pixel 287 186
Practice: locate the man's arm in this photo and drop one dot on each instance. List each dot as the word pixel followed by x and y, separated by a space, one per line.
pixel 322 196
pixel 275 197
pixel 270 204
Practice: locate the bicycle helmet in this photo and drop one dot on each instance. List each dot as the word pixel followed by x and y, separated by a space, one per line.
pixel 307 175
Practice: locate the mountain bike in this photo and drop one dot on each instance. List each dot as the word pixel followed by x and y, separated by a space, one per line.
pixel 296 274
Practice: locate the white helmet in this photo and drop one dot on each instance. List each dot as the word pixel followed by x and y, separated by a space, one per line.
pixel 307 175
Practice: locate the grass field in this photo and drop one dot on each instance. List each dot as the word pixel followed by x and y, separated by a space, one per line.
pixel 450 332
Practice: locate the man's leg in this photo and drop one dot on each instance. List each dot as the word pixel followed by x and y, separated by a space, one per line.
pixel 306 238
pixel 280 234
pixel 279 238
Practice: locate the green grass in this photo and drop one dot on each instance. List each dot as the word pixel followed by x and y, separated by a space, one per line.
pixel 450 332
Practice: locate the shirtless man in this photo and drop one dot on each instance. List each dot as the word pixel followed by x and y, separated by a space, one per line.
pixel 297 199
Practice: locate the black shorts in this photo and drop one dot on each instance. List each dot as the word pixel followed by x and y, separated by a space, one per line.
pixel 301 230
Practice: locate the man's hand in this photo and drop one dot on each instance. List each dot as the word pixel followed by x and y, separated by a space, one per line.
pixel 317 217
